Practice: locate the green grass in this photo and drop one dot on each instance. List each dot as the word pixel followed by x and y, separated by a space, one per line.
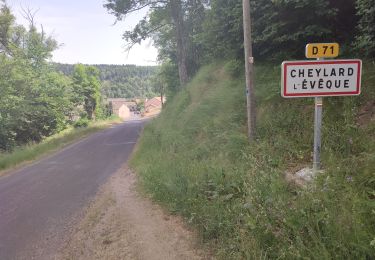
pixel 32 152
pixel 195 160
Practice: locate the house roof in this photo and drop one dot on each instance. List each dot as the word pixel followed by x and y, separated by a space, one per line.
pixel 118 102
pixel 154 102
pixel 117 99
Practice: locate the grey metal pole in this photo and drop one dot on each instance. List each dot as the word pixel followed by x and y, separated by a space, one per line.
pixel 249 66
pixel 318 132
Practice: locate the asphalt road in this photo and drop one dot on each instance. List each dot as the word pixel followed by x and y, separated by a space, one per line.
pixel 39 203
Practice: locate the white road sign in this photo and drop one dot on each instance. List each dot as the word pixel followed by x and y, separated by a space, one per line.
pixel 321 78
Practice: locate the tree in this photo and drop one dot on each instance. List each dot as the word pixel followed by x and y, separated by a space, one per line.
pixel 222 34
pixel 167 80
pixel 344 22
pixel 285 26
pixel 86 86
pixel 34 100
pixel 280 28
pixel 365 40
pixel 163 13
pixel 195 16
pixel 6 22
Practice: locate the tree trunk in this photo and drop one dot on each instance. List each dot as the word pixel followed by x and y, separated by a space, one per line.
pixel 178 19
pixel 162 95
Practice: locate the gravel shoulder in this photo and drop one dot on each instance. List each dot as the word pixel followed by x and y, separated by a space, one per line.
pixel 121 224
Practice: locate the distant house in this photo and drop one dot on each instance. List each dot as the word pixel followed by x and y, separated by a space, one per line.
pixel 153 106
pixel 121 107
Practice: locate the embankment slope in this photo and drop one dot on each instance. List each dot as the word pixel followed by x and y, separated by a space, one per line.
pixel 195 160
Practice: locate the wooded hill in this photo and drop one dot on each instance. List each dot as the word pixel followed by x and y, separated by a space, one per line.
pixel 121 81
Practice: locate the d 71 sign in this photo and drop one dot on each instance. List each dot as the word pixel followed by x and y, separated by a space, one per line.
pixel 322 50
pixel 321 78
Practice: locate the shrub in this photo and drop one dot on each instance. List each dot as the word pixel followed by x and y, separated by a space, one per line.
pixel 82 122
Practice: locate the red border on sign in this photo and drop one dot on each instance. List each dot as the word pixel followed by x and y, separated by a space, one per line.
pixel 317 94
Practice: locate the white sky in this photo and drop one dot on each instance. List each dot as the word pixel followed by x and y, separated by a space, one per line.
pixel 86 31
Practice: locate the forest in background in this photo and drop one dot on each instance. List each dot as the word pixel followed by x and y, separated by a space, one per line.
pixel 121 81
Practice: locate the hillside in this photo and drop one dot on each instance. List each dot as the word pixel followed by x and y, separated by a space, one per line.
pixel 195 160
pixel 121 81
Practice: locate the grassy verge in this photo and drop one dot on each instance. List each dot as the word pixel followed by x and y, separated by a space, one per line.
pixel 195 160
pixel 31 152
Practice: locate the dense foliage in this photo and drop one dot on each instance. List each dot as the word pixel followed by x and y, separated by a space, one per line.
pixel 282 28
pixel 86 86
pixel 35 100
pixel 212 30
pixel 121 81
pixel 173 24
pixel 365 41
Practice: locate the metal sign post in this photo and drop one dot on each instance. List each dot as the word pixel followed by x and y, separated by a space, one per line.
pixel 317 132
pixel 318 79
pixel 318 119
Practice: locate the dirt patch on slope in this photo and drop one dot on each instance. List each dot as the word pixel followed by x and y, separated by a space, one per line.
pixel 121 224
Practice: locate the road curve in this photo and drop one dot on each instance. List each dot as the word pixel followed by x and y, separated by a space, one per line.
pixel 39 202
